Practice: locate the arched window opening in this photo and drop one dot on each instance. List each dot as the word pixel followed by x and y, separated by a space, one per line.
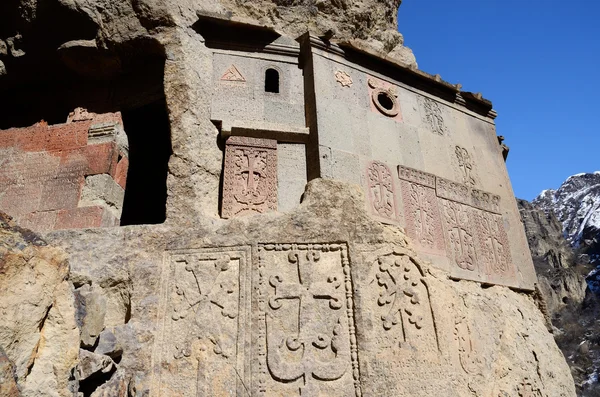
pixel 272 81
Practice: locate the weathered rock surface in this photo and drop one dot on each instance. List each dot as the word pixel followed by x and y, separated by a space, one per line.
pixel 474 340
pixel 37 325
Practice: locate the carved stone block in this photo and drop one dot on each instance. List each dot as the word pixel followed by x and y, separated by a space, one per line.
pixel 400 325
pixel 381 191
pixel 454 191
pixel 200 343
pixel 485 201
pixel 250 176
pixel 422 217
pixel 416 176
pixel 306 342
pixel 459 229
pixel 493 247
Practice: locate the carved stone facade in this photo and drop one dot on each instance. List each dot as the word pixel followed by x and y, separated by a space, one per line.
pixel 250 177
pixel 306 341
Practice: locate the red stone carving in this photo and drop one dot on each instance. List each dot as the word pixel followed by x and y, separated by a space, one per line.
pixel 422 217
pixel 233 74
pixel 485 201
pixel 250 176
pixel 384 98
pixel 416 176
pixel 459 228
pixel 452 190
pixel 381 190
pixel 493 248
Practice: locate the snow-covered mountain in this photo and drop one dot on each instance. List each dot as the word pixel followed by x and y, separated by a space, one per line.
pixel 576 204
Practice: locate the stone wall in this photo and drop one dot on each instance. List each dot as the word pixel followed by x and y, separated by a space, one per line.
pixel 64 176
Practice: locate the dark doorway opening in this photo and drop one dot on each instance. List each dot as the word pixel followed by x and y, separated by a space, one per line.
pixel 148 132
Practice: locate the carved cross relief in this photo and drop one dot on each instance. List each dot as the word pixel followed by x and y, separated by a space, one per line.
pixel 433 116
pixel 465 165
pixel 250 176
pixel 199 335
pixel 493 243
pixel 309 330
pixel 381 190
pixel 459 234
pixel 404 300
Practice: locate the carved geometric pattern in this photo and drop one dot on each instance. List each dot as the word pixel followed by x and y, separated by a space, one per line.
pixel 459 228
pixel 233 74
pixel 422 218
pixel 452 191
pixel 465 165
pixel 306 333
pixel 250 176
pixel 433 116
pixel 201 307
pixel 416 176
pixel 485 201
pixel 381 190
pixel 404 299
pixel 493 248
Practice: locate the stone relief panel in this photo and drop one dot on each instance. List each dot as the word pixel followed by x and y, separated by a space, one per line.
pixel 200 343
pixel 306 340
pixel 422 217
pixel 469 359
pixel 432 116
pixel 232 74
pixel 493 249
pixel 465 165
pixel 250 177
pixel 381 192
pixel 416 176
pixel 384 98
pixel 343 78
pixel 400 326
pixel 450 190
pixel 485 201
pixel 459 231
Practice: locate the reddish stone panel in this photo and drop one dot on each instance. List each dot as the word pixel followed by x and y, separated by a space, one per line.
pixel 493 247
pixel 121 172
pixel 18 200
pixel 77 218
pixel 422 217
pixel 381 192
pixel 383 98
pixel 250 177
pixel 101 158
pixel 40 221
pixel 61 193
pixel 43 169
pixel 459 230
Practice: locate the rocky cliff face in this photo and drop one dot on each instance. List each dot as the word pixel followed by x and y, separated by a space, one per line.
pixel 562 227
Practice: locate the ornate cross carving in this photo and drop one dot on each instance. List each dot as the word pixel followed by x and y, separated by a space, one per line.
pixel 307 344
pixel 381 189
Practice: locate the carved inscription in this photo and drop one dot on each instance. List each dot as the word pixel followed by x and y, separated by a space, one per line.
pixel 469 360
pixel 416 176
pixel 201 297
pixel 452 191
pixel 307 321
pixel 421 213
pixel 381 190
pixel 233 74
pixel 485 201
pixel 250 176
pixel 494 251
pixel 433 116
pixel 404 301
pixel 465 165
pixel 460 241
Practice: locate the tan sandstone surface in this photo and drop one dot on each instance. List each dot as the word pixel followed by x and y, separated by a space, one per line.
pixel 320 301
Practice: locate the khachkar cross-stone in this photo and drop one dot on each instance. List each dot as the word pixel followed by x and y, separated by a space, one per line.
pixel 381 190
pixel 309 329
pixel 250 176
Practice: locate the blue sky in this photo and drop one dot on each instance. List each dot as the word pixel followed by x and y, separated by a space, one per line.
pixel 537 61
